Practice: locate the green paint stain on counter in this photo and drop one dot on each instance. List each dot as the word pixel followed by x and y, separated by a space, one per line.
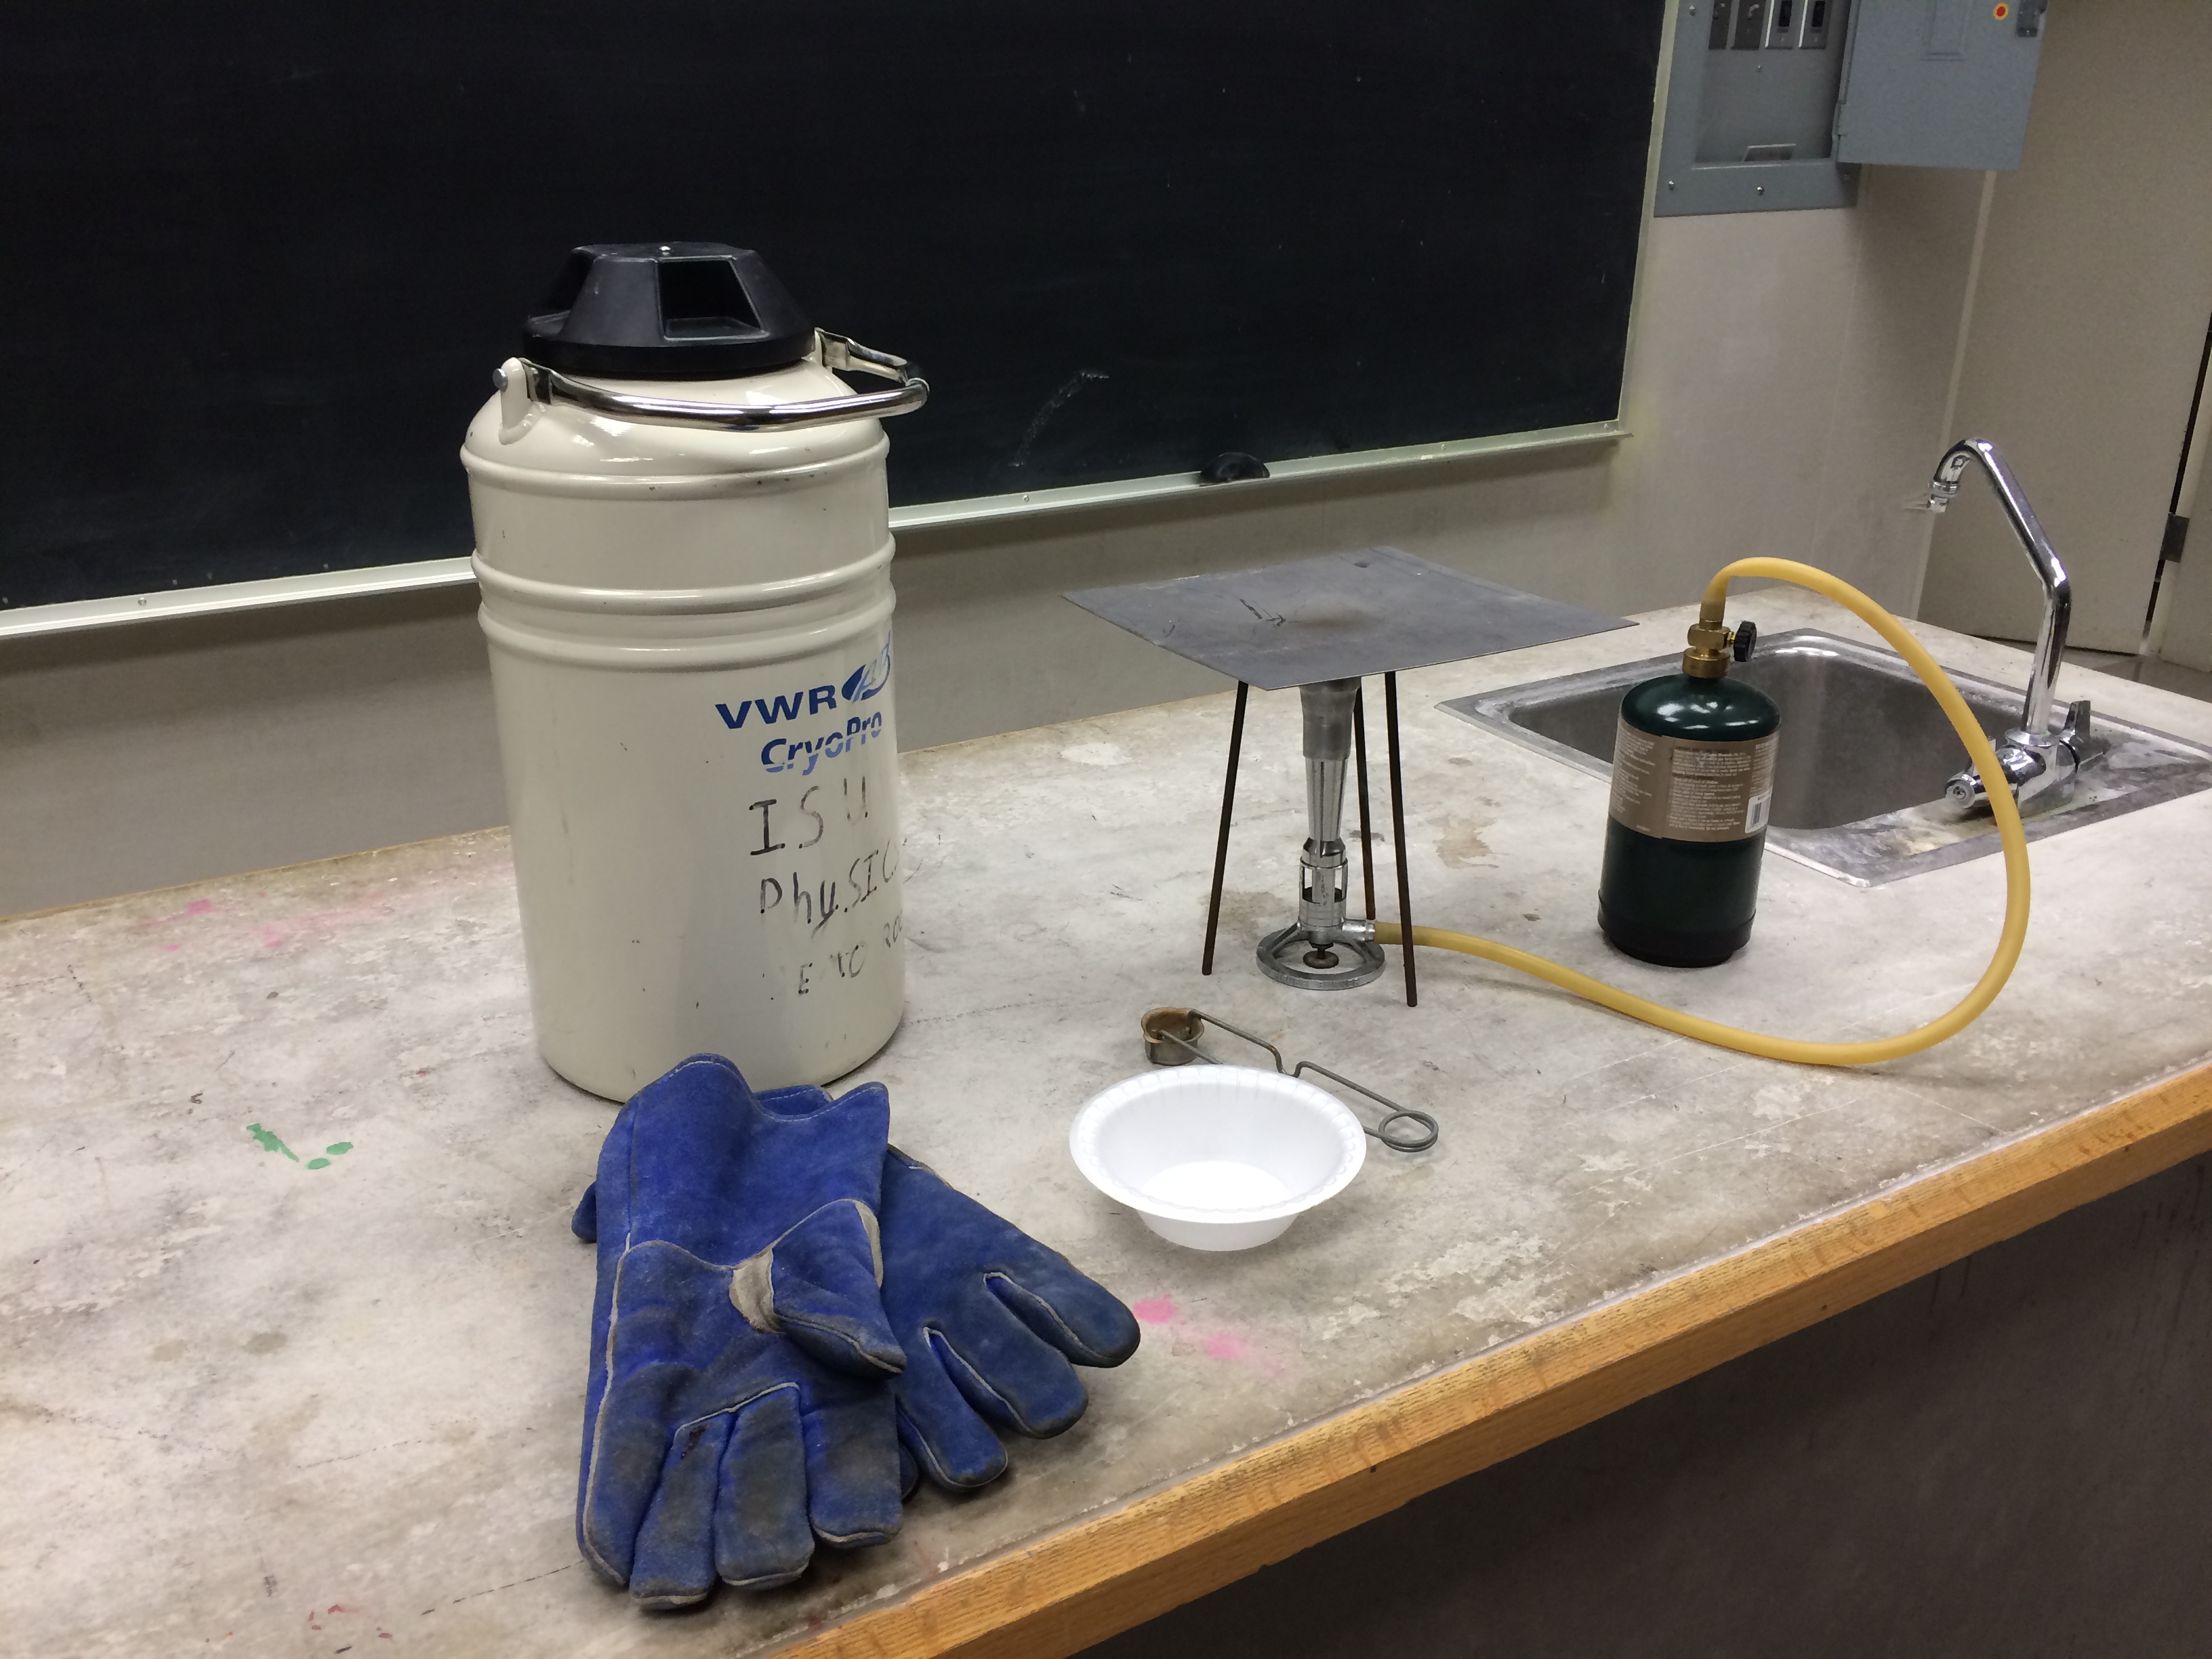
pixel 270 1143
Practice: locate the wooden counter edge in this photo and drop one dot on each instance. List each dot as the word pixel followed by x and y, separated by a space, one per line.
pixel 1114 1571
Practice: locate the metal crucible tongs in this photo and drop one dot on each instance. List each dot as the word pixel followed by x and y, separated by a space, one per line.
pixel 1171 1037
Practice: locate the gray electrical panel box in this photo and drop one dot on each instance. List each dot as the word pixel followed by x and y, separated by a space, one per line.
pixel 1772 103
pixel 1940 83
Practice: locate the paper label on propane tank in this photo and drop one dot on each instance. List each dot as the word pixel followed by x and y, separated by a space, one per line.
pixel 1689 788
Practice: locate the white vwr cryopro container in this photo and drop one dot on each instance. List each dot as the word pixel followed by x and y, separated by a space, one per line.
pixel 687 595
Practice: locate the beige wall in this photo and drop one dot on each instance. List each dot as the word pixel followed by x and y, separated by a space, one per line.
pixel 1786 389
pixel 2088 320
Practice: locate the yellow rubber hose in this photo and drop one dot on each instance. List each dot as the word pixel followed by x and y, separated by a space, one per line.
pixel 1755 1042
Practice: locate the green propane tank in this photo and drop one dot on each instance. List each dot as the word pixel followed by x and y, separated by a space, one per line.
pixel 1693 783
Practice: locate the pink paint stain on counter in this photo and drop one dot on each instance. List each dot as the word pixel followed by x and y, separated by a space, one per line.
pixel 1230 1347
pixel 197 908
pixel 377 909
pixel 274 936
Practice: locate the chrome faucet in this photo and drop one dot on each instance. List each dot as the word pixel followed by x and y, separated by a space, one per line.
pixel 2036 758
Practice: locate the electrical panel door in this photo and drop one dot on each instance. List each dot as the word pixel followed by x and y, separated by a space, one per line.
pixel 1939 83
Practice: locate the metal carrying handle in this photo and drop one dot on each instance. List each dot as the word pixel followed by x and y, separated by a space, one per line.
pixel 547 386
pixel 1182 1027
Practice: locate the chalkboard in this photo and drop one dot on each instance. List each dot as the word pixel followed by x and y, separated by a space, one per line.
pixel 263 254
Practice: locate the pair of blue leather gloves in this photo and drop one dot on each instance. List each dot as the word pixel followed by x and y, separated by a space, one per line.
pixel 793 1322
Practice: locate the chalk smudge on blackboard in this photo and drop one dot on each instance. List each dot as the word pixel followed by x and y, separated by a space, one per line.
pixel 1072 384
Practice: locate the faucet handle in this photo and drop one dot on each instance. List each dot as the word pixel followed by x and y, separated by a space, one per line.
pixel 2019 765
pixel 2076 725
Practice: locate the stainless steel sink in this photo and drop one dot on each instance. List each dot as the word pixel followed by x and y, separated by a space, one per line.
pixel 1865 754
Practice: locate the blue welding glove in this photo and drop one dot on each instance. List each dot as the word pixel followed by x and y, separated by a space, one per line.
pixel 989 1318
pixel 736 1408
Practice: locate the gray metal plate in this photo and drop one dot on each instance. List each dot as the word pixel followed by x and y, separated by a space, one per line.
pixel 1374 611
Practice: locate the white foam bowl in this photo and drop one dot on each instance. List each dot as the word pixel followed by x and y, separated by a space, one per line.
pixel 1217 1158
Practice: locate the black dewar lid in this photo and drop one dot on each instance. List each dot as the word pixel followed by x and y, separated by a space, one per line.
pixel 666 311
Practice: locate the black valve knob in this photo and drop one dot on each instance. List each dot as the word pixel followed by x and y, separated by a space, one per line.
pixel 666 311
pixel 1747 640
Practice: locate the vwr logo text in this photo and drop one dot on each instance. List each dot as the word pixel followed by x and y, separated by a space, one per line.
pixel 781 754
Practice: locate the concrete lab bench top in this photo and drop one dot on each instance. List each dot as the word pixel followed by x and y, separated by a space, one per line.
pixel 256 1403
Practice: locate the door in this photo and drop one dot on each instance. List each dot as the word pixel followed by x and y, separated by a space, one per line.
pixel 2181 625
